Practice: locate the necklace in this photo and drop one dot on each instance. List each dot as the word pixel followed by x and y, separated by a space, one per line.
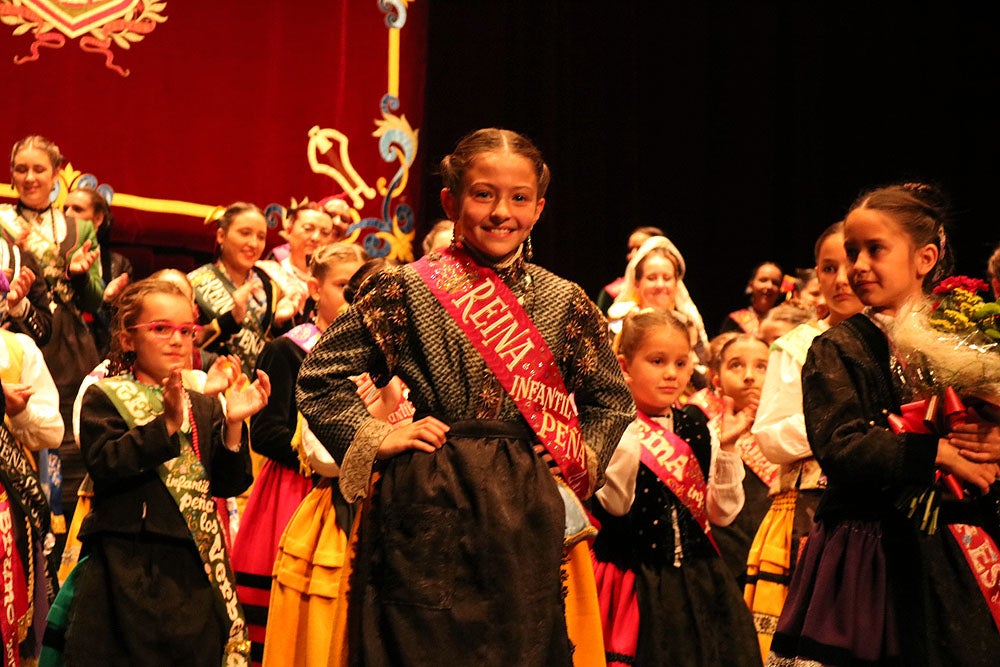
pixel 157 390
pixel 37 219
pixel 194 428
pixel 225 271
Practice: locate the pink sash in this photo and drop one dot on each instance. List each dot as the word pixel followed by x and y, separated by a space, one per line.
pixel 16 606
pixel 759 464
pixel 304 335
pixel 672 461
pixel 984 561
pixel 488 313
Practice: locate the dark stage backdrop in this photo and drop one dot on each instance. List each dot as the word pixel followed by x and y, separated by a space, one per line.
pixel 741 128
pixel 218 105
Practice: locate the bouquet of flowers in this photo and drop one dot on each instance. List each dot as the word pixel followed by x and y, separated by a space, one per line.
pixel 948 349
pixel 953 341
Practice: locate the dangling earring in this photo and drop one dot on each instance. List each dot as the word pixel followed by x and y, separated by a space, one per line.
pixel 527 251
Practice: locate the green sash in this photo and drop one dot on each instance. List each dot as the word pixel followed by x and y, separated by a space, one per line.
pixel 213 291
pixel 54 256
pixel 187 482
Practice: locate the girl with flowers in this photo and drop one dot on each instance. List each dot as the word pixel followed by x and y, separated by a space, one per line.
pixel 871 587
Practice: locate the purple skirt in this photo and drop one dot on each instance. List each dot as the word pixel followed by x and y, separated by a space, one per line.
pixel 839 608
pixel 883 593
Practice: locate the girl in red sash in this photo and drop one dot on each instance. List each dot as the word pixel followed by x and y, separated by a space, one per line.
pixel 872 587
pixel 154 585
pixel 764 289
pixel 666 597
pixel 519 405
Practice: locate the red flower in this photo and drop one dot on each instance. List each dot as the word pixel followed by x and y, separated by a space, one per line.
pixel 951 283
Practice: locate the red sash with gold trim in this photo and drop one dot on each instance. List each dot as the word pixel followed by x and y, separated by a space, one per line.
pixel 984 560
pixel 672 461
pixel 498 327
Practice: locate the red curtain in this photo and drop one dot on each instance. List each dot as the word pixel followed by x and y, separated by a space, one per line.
pixel 217 106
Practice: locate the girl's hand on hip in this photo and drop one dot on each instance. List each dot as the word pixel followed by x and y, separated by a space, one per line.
pixel 426 435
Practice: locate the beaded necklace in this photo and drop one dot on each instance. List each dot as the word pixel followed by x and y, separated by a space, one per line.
pixel 152 390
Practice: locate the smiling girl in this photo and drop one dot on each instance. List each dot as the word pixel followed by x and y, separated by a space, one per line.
pixel 67 251
pixel 654 278
pixel 464 531
pixel 764 288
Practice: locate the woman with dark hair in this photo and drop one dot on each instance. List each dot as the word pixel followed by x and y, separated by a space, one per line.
pixel 307 228
pixel 764 289
pixel 115 268
pixel 240 305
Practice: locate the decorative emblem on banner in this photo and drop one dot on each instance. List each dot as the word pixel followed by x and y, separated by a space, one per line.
pixel 391 233
pixel 96 23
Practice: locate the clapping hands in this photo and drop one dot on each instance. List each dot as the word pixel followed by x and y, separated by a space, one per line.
pixel 245 399
pixel 83 258
pixel 222 374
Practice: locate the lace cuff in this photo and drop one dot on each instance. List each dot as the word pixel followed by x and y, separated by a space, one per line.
pixel 356 468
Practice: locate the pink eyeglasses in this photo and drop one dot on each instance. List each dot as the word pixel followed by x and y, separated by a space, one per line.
pixel 165 330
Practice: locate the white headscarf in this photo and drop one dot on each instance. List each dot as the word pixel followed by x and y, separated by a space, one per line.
pixel 628 299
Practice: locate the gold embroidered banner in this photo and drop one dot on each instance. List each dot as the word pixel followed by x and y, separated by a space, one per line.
pixel 96 23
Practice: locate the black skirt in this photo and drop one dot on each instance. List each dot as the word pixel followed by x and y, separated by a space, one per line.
pixel 881 593
pixel 458 557
pixel 142 601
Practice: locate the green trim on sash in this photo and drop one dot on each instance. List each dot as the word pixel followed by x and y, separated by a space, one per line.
pixel 188 484
pixel 213 292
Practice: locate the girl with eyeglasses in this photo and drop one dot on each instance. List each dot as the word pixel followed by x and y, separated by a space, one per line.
pixel 158 453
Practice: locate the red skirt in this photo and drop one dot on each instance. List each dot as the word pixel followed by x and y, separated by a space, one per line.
pixel 619 612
